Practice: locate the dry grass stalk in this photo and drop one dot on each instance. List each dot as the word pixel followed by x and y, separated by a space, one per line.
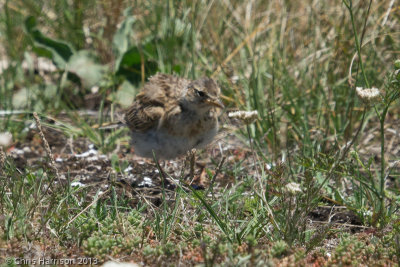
pixel 46 145
pixel 2 159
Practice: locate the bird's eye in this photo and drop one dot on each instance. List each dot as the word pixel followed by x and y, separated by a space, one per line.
pixel 200 93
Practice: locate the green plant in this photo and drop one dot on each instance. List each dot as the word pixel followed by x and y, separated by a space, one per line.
pixel 279 248
pixel 380 101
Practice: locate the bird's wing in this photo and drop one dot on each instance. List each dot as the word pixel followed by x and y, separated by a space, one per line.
pixel 144 114
pixel 158 96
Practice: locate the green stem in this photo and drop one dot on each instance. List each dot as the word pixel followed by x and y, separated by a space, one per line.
pixel 349 7
pixel 377 113
pixel 383 163
pixel 340 156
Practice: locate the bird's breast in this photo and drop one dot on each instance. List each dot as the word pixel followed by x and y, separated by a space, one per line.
pixel 175 137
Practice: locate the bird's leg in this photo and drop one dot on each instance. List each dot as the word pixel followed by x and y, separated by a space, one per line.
pixel 192 163
pixel 163 174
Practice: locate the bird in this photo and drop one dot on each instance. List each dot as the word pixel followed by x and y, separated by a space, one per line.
pixel 172 115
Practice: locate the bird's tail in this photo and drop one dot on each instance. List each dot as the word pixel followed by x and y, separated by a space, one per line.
pixel 111 125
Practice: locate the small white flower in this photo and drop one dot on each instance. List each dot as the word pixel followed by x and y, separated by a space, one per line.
pixel 246 116
pixel 5 139
pixel 368 95
pixel 293 188
pixel 94 89
pixel 328 254
pixel 128 169
pixel 234 79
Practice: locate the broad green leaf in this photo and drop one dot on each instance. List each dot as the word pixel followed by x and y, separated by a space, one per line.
pixel 83 65
pixel 123 36
pixel 35 97
pixel 59 51
pixel 20 99
pixel 131 63
pixel 124 95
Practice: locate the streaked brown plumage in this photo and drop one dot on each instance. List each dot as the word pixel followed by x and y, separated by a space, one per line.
pixel 172 115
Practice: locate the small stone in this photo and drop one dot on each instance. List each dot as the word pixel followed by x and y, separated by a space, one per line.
pixel 5 139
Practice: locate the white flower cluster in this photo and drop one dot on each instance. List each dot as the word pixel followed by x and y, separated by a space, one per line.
pixel 245 116
pixel 293 188
pixel 369 95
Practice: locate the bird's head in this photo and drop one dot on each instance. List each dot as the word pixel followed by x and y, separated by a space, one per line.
pixel 204 94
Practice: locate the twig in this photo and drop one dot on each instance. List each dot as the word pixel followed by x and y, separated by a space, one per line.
pixel 46 146
pixel 387 13
pixel 88 206
pixel 344 224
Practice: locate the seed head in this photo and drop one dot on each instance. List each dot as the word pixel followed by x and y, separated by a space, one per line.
pixel 246 116
pixel 293 188
pixel 369 95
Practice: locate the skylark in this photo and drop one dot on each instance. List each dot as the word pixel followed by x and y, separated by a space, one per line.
pixel 172 115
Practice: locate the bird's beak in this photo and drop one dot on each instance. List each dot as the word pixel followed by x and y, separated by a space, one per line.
pixel 215 102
